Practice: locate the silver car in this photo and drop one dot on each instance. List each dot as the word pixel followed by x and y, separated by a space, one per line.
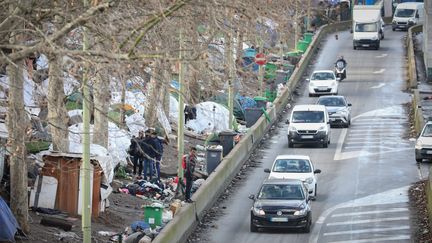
pixel 338 108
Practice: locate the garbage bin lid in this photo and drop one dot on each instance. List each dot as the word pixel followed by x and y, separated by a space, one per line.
pixel 227 133
pixel 260 98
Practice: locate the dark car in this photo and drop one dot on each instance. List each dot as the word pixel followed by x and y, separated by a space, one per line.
pixel 281 203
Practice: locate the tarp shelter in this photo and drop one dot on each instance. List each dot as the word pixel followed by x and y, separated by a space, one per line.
pixel 223 100
pixel 65 167
pixel 8 223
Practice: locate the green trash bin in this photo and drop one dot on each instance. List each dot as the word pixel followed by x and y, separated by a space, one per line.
pixel 270 71
pixel 261 101
pixel 302 46
pixel 153 216
pixel 294 57
pixel 270 95
pixel 308 37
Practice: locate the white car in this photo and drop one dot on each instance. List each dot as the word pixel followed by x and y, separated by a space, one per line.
pixel 323 82
pixel 423 147
pixel 298 167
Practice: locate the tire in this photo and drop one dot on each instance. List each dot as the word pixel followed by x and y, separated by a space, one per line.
pixel 325 144
pixel 253 227
pixel 419 160
pixel 393 29
pixel 290 145
pixel 315 193
pixel 307 228
pixel 354 47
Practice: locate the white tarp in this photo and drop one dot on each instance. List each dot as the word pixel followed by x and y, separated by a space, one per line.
pixel 173 111
pixel 211 117
pixel 135 123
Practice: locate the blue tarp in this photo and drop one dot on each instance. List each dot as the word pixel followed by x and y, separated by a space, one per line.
pixel 8 223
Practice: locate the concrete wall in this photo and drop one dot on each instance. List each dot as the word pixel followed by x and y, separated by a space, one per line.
pixel 412 70
pixel 178 229
pixel 427 38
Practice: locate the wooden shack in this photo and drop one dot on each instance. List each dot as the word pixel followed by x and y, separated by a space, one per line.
pixel 65 167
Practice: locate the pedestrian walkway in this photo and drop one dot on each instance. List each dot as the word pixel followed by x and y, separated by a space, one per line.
pixel 370 223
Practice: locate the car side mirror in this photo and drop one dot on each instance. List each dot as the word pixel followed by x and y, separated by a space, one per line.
pixel 349 104
pixel 287 121
pixel 417 16
pixel 266 170
pixel 308 79
pixel 317 171
pixel 252 196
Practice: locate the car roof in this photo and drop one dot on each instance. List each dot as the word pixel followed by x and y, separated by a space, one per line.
pixel 409 5
pixel 331 96
pixel 309 108
pixel 283 181
pixel 323 71
pixel 292 156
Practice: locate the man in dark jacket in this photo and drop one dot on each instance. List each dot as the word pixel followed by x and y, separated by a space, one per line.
pixel 148 146
pixel 191 161
pixel 136 151
pixel 158 153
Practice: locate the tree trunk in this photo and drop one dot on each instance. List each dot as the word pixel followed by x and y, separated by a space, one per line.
pixel 57 115
pixel 18 125
pixel 101 99
pixel 165 90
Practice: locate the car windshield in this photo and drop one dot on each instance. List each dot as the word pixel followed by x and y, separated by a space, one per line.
pixel 281 192
pixel 292 166
pixel 308 117
pixel 404 13
pixel 369 27
pixel 427 131
pixel 333 101
pixel 323 76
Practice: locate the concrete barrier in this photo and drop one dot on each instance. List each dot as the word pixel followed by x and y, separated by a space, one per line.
pixel 182 225
pixel 412 71
pixel 418 113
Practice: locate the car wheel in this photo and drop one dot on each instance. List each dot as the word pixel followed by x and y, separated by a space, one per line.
pixel 393 29
pixel 253 228
pixel 418 160
pixel 315 193
pixel 290 145
pixel 325 144
pixel 307 228
pixel 355 47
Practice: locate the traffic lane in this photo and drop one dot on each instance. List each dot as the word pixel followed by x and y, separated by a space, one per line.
pixel 233 225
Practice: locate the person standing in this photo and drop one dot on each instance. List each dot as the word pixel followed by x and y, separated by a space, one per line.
pixel 191 161
pixel 158 153
pixel 148 147
pixel 138 158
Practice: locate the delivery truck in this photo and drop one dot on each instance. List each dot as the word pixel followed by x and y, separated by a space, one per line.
pixel 368 26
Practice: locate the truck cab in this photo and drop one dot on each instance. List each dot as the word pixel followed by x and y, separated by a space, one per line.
pixel 367 26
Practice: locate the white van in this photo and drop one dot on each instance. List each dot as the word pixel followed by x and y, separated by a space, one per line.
pixel 408 14
pixel 309 124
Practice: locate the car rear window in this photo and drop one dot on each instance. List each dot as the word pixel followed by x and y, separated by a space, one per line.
pixel 292 166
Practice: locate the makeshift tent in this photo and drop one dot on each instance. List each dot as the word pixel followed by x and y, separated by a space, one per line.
pixel 223 100
pixel 8 223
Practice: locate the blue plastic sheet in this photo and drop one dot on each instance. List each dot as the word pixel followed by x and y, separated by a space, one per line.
pixel 8 223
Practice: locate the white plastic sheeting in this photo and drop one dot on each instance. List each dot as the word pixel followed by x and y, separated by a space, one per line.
pixel 173 109
pixel 135 123
pixel 211 117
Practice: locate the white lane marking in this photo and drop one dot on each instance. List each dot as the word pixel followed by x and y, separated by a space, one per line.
pixel 399 237
pixel 374 230
pixel 378 86
pixel 367 221
pixel 375 130
pixel 379 71
pixel 383 142
pixel 398 195
pixel 366 139
pixel 372 147
pixel 393 210
pixel 396 134
pixel 382 55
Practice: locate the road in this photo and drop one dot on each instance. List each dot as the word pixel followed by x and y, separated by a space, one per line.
pixel 367 169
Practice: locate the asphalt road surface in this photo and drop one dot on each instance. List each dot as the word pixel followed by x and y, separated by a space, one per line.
pixel 367 169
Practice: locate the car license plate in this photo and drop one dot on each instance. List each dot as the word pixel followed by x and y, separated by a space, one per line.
pixel 307 136
pixel 322 89
pixel 365 45
pixel 429 152
pixel 279 219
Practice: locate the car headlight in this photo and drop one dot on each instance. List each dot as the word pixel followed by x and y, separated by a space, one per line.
pixel 333 83
pixel 411 21
pixel 302 211
pixel 374 37
pixel 258 211
pixel 342 112
pixel 309 180
pixel 322 128
pixel 418 145
pixel 311 84
pixel 292 129
pixel 394 22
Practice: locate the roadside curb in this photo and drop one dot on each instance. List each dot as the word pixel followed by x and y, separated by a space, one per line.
pixel 184 222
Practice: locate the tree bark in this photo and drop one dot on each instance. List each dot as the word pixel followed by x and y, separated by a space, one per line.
pixel 18 125
pixel 57 114
pixel 101 99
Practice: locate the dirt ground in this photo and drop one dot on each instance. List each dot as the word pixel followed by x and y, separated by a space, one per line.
pixel 422 231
